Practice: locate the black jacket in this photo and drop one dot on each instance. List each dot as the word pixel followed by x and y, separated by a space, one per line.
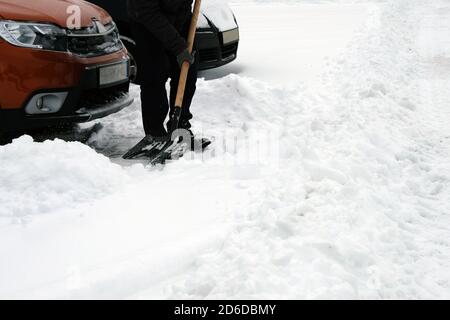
pixel 165 19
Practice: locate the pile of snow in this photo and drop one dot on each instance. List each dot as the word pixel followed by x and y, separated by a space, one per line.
pixel 47 177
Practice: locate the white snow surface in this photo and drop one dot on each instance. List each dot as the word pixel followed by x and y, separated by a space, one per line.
pixel 353 204
pixel 284 43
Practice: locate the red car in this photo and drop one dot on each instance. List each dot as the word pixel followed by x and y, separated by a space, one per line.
pixel 52 73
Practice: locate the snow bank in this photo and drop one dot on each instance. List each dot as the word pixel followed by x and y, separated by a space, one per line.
pixel 38 178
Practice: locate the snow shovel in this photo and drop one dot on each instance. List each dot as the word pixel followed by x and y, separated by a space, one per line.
pixel 158 150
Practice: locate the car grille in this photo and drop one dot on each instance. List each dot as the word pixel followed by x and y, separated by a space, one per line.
pixel 229 50
pixel 214 54
pixel 87 42
pixel 207 55
pixel 94 98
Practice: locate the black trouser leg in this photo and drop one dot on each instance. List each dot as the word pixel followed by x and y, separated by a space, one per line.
pixel 191 86
pixel 154 108
pixel 154 67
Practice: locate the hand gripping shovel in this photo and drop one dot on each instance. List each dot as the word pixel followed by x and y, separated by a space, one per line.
pixel 160 149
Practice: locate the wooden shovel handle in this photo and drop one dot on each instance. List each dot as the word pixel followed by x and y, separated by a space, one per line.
pixel 185 67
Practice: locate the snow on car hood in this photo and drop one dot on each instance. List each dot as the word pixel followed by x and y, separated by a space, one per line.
pixel 51 11
pixel 219 13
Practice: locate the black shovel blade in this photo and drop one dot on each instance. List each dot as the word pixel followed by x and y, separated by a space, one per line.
pixel 170 150
pixel 177 149
pixel 142 147
pixel 155 149
pixel 160 149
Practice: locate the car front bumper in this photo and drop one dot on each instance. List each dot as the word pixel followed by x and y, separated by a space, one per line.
pixel 82 115
pixel 214 50
pixel 85 99
pixel 16 120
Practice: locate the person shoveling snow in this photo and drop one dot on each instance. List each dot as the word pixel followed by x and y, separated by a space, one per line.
pixel 164 34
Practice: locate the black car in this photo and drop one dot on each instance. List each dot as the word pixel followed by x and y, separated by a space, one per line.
pixel 217 39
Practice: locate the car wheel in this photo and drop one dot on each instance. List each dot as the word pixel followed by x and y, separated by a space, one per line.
pixel 131 47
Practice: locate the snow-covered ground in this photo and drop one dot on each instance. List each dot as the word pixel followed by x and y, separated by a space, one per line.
pixel 354 202
pixel 284 43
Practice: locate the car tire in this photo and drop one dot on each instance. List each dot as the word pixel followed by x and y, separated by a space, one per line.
pixel 130 44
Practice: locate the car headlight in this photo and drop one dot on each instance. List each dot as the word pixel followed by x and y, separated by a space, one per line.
pixel 34 35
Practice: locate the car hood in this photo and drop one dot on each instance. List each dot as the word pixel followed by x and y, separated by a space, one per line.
pixel 51 11
pixel 219 14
